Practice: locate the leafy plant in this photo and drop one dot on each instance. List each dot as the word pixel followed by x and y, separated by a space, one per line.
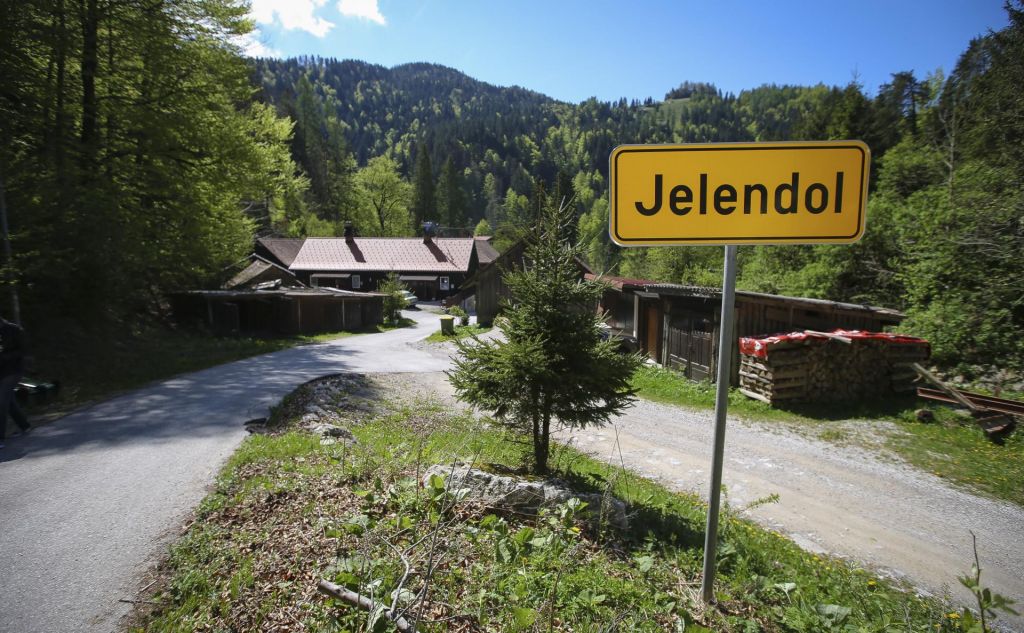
pixel 460 314
pixel 392 289
pixel 988 602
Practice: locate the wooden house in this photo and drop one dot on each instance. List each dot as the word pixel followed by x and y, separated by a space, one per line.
pixel 432 267
pixel 677 325
pixel 262 273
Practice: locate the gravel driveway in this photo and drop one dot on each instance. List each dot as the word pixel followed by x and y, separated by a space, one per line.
pixel 875 511
pixel 837 499
pixel 93 499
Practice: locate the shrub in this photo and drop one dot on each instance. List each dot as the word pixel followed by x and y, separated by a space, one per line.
pixel 459 314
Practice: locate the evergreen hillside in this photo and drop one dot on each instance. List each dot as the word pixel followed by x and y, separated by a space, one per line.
pixel 945 237
pixel 142 153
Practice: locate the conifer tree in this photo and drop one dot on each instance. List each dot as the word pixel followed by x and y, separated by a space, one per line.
pixel 451 200
pixel 552 364
pixel 423 201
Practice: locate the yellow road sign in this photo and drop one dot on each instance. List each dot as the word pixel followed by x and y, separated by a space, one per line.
pixel 739 193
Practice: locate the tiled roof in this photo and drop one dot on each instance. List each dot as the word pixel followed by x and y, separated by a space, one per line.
pixel 440 255
pixel 284 249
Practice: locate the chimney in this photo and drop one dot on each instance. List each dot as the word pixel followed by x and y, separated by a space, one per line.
pixel 350 232
pixel 429 229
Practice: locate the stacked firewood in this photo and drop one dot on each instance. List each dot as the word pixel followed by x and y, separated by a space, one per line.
pixel 828 366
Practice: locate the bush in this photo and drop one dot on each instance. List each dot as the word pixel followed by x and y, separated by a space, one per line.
pixel 459 314
pixel 392 290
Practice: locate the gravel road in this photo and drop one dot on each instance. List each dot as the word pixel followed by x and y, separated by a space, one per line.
pixel 91 502
pixel 846 501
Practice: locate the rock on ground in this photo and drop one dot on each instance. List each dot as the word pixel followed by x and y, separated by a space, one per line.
pixel 514 493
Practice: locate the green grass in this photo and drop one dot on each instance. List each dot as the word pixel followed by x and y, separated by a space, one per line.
pixel 670 387
pixel 287 511
pixel 461 331
pixel 952 447
pixel 394 325
pixel 91 367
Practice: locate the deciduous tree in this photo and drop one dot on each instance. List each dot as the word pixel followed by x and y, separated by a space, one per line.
pixel 384 199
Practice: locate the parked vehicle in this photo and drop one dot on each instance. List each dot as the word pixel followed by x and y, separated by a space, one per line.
pixel 410 299
pixel 627 343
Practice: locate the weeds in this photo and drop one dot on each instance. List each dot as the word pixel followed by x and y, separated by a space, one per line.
pixel 288 512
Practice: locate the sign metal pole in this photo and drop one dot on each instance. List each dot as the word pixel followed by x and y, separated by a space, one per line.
pixel 725 344
pixel 721 193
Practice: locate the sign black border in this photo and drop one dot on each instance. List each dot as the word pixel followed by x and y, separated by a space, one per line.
pixel 730 147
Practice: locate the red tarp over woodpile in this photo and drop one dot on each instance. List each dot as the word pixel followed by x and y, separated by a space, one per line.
pixel 759 346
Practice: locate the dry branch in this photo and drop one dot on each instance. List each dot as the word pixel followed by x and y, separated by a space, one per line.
pixel 361 601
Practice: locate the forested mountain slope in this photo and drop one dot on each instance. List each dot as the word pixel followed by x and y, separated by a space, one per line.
pixel 140 154
pixel 945 237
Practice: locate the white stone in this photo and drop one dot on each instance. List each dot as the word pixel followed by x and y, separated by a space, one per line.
pixel 522 495
pixel 331 430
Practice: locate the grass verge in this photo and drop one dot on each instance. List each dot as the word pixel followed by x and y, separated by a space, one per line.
pixel 952 446
pixel 394 325
pixel 461 331
pixel 288 511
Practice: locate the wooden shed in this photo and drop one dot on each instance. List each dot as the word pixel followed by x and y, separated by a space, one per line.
pixel 487 287
pixel 677 325
pixel 280 312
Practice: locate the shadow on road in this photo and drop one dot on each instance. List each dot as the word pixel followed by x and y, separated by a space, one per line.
pixel 208 403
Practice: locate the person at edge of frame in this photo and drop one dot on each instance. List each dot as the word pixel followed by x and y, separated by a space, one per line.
pixel 13 350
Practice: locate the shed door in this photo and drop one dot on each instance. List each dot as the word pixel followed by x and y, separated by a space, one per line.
pixel 690 346
pixel 652 331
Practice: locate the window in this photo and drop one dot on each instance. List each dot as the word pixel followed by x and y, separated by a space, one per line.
pixel 356 282
pixel 444 283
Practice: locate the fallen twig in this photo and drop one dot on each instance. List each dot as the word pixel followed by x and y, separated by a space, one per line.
pixel 361 601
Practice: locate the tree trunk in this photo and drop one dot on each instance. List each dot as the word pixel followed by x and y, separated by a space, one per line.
pixel 111 128
pixel 90 64
pixel 545 442
pixel 60 56
pixel 543 439
pixel 535 418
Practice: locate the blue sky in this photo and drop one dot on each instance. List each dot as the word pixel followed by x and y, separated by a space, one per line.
pixel 575 49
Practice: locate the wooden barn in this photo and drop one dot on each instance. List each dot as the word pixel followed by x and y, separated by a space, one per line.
pixel 677 325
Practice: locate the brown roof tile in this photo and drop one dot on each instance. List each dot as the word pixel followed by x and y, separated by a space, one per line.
pixel 441 255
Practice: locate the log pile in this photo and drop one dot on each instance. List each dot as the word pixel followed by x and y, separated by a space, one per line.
pixel 833 366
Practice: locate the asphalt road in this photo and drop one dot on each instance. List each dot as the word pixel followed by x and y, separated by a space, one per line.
pixel 89 502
